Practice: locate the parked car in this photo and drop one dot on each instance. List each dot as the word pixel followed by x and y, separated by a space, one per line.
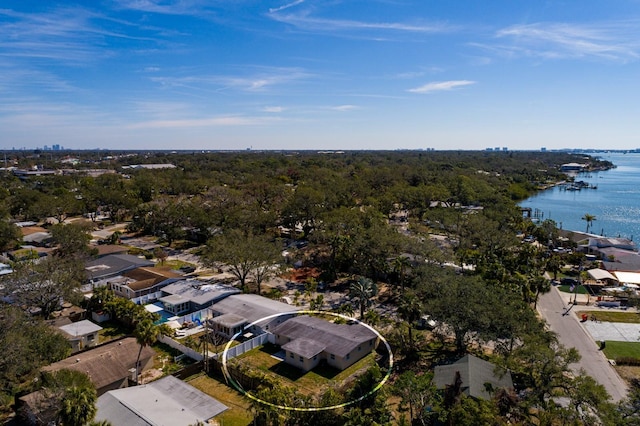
pixel 569 281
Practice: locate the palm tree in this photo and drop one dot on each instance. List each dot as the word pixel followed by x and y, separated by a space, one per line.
pixel 363 291
pixel 589 218
pixel 146 333
pixel 78 406
pixel 400 265
pixel 410 310
pixel 538 284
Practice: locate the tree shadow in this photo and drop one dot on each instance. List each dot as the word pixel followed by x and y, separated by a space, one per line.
pixel 287 371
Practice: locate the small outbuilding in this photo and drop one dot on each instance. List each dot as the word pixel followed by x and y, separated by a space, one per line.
pixel 478 378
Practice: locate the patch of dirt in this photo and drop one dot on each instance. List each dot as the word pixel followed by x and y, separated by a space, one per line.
pixel 301 274
pixel 628 372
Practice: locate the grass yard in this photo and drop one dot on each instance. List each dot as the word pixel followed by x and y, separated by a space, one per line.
pixel 612 316
pixel 565 288
pixel 239 412
pixel 111 330
pixel 315 381
pixel 615 350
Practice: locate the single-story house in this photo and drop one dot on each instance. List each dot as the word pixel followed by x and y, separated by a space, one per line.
pixel 108 249
pixel 478 378
pixel 168 401
pixel 620 260
pixel 309 340
pixel 188 295
pixel 110 366
pixel 81 334
pixel 596 243
pixel 113 265
pixel 38 238
pixel 233 313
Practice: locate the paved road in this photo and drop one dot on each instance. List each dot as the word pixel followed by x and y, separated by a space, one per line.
pixel 571 334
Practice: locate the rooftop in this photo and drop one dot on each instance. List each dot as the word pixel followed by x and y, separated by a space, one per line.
pixel 251 306
pixel 338 339
pixel 80 328
pixel 475 374
pixel 105 364
pixel 114 264
pixel 168 401
pixel 198 292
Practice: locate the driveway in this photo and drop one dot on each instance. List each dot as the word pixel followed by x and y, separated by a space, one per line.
pixel 572 334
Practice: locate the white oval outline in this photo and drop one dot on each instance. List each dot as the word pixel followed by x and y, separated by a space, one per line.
pixel 225 370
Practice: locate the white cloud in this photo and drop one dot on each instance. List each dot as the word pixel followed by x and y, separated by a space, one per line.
pixel 344 107
pixel 440 86
pixel 286 6
pixel 263 79
pixel 306 23
pixel 562 40
pixel 274 109
pixel 222 121
pixel 72 35
pixel 165 7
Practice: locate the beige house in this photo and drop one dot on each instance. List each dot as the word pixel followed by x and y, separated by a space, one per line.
pixel 81 334
pixel 308 341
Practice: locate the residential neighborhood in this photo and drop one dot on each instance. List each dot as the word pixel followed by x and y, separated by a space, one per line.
pixel 157 317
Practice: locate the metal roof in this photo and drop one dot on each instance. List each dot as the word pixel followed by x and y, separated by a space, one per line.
pixel 80 328
pixel 229 320
pixel 251 306
pixel 198 292
pixel 168 401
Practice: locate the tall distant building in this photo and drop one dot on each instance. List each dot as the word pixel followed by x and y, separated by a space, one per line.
pixel 543 149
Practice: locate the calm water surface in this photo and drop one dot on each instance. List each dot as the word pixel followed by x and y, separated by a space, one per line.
pixel 615 204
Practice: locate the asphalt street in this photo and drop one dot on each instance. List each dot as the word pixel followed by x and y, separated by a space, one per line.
pixel 572 334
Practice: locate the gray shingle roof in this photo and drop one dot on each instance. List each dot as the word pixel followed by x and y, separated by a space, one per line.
pixel 114 264
pixel 338 339
pixel 474 373
pixel 107 363
pixel 305 347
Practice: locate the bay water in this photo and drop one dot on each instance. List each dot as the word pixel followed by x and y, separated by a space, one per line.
pixel 615 203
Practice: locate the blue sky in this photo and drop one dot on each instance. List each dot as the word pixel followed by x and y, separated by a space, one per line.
pixel 319 74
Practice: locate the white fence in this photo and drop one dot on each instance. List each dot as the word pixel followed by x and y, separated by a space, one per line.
pixel 182 348
pixel 247 345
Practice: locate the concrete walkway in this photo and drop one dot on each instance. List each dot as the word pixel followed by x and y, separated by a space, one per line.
pixel 614 331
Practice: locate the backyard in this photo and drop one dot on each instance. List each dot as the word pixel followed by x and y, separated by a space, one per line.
pixel 314 382
pixel 239 412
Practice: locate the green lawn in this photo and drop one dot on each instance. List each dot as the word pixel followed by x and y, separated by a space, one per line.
pixel 312 382
pixel 111 330
pixel 615 350
pixel 239 412
pixel 612 316
pixel 565 288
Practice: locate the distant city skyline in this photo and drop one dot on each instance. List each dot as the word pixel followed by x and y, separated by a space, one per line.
pixel 319 75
